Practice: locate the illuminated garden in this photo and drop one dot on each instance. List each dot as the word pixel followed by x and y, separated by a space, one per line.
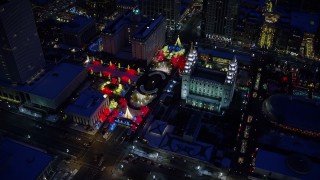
pixel 170 57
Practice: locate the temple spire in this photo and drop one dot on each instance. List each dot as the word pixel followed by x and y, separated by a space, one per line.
pixel 178 42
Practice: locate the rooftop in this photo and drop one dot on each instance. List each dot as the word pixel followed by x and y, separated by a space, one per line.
pixel 147 28
pixel 198 150
pixel 144 26
pixel 209 74
pixel 216 53
pixel 77 24
pixel 290 143
pixel 293 165
pixel 296 112
pixel 158 127
pixel 86 104
pixel 53 83
pixel 241 57
pixel 18 161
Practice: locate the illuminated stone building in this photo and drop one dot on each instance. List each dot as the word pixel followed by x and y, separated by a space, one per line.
pixel 208 85
pixel 268 28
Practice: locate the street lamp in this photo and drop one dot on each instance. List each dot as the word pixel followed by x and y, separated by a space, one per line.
pixel 67 150
pixel 198 167
pixel 133 147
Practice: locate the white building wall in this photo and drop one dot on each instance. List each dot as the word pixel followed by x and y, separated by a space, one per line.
pixel 94 118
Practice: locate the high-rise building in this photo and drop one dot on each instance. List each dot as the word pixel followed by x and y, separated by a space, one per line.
pixel 218 17
pixel 21 56
pixel 268 29
pixel 168 8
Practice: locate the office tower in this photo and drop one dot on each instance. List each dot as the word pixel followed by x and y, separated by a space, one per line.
pixel 168 8
pixel 218 17
pixel 21 56
pixel 268 28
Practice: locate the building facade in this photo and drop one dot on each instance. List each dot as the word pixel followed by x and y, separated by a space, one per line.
pixel 21 55
pixel 124 5
pixel 143 36
pixel 170 9
pixel 218 18
pixel 87 109
pixel 207 88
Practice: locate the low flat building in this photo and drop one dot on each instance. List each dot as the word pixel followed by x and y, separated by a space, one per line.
pixel 79 31
pixel 48 91
pixel 21 161
pixel 88 108
pixel 283 166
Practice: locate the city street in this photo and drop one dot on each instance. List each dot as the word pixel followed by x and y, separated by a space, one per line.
pixel 48 137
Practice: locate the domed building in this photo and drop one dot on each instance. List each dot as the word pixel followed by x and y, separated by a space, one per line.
pixel 293 113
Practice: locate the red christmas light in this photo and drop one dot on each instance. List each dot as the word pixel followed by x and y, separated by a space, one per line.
pixel 115 113
pixel 107 91
pixel 112 66
pixel 102 117
pixel 144 110
pixel 138 120
pixel 122 102
pixel 106 73
pixel 131 72
pixel 96 62
pixel 114 81
pixel 110 119
pixel 125 79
